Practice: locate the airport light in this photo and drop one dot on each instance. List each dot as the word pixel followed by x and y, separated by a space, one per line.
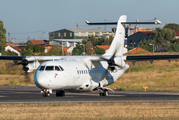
pixel 13 39
pixel 153 46
pixel 145 88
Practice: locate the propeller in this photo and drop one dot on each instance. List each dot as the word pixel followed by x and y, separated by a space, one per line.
pixel 111 62
pixel 24 63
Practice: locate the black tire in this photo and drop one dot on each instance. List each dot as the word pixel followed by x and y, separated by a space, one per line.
pixel 57 93
pixel 63 93
pixel 60 93
pixel 44 94
pixel 100 94
pixel 106 93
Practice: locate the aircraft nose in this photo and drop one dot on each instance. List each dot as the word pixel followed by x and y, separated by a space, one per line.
pixel 41 81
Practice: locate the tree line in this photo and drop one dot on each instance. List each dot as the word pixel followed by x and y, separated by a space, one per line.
pixel 90 45
pixel 163 39
pixel 2 38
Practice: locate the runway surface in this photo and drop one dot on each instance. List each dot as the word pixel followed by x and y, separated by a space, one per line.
pixel 26 94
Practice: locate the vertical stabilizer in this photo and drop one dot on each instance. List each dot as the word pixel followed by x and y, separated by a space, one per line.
pixel 118 41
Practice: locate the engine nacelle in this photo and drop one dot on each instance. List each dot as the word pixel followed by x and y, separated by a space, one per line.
pixel 33 65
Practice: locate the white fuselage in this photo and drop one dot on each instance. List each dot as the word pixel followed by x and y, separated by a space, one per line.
pixel 72 75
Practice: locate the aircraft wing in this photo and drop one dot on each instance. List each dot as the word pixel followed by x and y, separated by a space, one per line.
pixel 93 58
pixel 49 58
pixel 134 58
pixel 10 57
pixel 32 58
pixel 32 62
pixel 131 58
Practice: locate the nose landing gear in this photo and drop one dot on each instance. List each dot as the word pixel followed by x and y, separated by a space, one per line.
pixel 46 92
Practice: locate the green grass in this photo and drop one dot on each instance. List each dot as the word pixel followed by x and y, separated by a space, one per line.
pixel 142 67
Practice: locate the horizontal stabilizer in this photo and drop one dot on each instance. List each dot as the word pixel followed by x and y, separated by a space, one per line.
pixel 115 23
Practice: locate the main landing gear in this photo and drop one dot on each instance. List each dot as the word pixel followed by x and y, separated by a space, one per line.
pixel 60 93
pixel 46 92
pixel 103 92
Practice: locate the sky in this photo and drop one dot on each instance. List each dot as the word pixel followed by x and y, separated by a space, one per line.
pixel 25 19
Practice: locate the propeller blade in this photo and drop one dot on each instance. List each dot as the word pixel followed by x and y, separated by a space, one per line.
pixel 23 56
pixel 27 77
pixel 111 61
pixel 105 59
pixel 112 58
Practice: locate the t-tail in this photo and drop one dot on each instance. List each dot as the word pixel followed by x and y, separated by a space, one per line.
pixel 117 44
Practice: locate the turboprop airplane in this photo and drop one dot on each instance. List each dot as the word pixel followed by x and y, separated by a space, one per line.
pixel 84 73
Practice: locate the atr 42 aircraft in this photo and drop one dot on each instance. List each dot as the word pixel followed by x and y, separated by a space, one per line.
pixel 84 73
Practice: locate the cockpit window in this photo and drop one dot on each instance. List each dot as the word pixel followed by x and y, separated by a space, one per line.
pixel 41 68
pixel 61 68
pixel 49 68
pixel 57 68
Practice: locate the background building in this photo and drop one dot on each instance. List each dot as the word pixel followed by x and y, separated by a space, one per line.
pixel 66 42
pixel 135 38
pixel 36 42
pixel 76 33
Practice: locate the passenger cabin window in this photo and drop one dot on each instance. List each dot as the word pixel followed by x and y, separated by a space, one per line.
pixel 41 68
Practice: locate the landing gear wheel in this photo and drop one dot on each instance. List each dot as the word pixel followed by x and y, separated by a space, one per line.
pixel 101 94
pixel 104 93
pixel 46 94
pixel 60 93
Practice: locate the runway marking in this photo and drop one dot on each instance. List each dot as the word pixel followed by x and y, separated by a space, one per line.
pixel 91 94
pixel 94 95
pixel 19 92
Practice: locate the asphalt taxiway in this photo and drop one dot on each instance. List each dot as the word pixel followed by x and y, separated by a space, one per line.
pixel 31 94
